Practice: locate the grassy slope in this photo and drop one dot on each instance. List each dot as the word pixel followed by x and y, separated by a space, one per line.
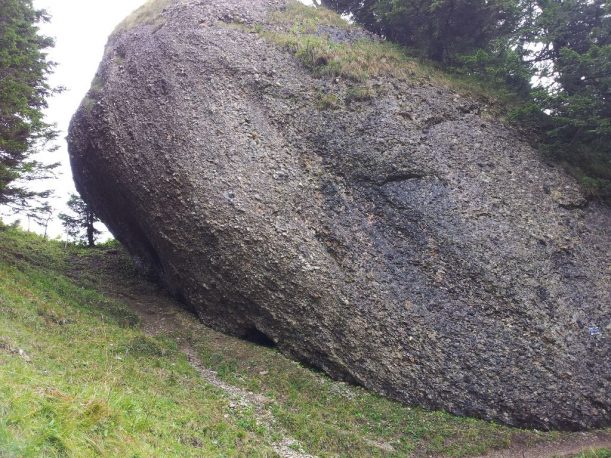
pixel 88 381
pixel 79 377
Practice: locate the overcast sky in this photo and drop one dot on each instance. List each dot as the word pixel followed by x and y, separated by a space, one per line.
pixel 80 28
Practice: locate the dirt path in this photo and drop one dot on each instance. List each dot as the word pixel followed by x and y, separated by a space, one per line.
pixel 160 314
pixel 168 318
pixel 564 448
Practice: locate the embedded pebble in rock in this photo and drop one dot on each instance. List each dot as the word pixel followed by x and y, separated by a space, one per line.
pixel 405 242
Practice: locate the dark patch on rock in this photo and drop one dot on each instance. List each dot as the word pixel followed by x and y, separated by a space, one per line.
pixel 451 269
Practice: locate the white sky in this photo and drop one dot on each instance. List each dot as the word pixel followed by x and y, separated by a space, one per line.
pixel 80 29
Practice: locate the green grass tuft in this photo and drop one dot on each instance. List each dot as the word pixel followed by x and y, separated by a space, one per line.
pixel 357 61
pixel 595 453
pixel 149 13
pixel 328 101
pixel 306 19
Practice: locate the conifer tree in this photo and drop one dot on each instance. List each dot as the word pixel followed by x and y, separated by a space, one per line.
pixel 24 90
pixel 80 226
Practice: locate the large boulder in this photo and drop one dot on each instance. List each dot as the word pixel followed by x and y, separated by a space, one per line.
pixel 406 241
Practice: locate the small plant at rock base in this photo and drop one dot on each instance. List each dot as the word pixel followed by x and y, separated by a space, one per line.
pixel 359 94
pixel 328 102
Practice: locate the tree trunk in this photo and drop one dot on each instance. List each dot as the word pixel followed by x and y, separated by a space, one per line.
pixel 90 230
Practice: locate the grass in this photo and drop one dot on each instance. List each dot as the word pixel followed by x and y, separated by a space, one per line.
pixel 600 453
pixel 357 61
pixel 359 94
pixel 296 29
pixel 79 377
pixel 335 419
pixel 328 101
pixel 308 19
pixel 149 13
pixel 301 30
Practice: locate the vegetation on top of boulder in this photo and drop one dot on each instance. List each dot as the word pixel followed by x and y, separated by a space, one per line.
pixel 300 30
pixel 148 13
pixel 311 19
pixel 303 31
pixel 357 61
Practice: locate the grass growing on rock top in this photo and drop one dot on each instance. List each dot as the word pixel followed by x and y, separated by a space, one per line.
pixel 358 61
pixel 80 377
pixel 303 31
pixel 308 19
pixel 148 13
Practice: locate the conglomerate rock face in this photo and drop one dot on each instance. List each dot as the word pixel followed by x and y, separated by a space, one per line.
pixel 405 242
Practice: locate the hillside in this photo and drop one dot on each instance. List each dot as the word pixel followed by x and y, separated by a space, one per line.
pixel 97 361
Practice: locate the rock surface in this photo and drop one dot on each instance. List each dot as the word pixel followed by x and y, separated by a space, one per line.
pixel 405 242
